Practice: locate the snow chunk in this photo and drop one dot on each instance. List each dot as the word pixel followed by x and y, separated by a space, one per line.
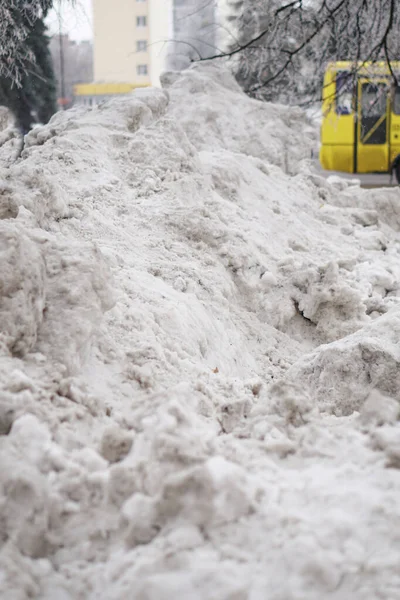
pixel 341 375
pixel 379 409
pixel 22 288
pixel 212 494
pixel 328 302
pixel 78 293
pixel 115 444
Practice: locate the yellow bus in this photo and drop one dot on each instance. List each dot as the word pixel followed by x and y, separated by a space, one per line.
pixel 360 131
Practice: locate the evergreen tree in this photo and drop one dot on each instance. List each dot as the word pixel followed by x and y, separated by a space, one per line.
pixel 33 99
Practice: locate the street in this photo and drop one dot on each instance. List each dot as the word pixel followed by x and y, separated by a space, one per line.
pixel 368 180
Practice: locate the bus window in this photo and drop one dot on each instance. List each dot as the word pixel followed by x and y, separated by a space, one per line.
pixel 344 95
pixel 396 101
pixel 373 113
pixel 373 99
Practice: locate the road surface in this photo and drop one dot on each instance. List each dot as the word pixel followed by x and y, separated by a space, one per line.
pixel 370 180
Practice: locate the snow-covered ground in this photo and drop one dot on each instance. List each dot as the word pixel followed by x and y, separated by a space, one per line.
pixel 200 359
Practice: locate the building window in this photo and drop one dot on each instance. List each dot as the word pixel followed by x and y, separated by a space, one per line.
pixel 141 21
pixel 141 70
pixel 141 46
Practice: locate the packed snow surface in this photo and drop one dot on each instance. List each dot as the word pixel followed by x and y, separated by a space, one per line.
pixel 199 358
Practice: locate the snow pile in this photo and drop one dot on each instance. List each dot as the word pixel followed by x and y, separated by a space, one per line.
pixel 198 359
pixel 231 121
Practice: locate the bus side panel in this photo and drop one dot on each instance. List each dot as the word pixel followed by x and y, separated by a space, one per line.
pixel 338 129
pixel 394 137
pixel 394 153
pixel 337 158
pixel 337 132
pixel 375 161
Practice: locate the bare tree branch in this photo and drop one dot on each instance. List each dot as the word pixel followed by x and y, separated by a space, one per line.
pixel 283 48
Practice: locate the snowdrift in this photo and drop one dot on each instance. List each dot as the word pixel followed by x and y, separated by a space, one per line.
pixel 199 393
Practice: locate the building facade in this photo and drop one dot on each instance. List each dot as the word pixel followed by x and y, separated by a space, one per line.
pixel 129 40
pixel 136 40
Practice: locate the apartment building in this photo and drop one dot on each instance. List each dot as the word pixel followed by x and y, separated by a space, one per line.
pixel 130 44
pixel 135 40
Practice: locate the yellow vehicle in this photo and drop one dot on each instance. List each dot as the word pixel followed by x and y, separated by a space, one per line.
pixel 360 130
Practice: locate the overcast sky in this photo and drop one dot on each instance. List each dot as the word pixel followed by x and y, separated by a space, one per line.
pixel 76 20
